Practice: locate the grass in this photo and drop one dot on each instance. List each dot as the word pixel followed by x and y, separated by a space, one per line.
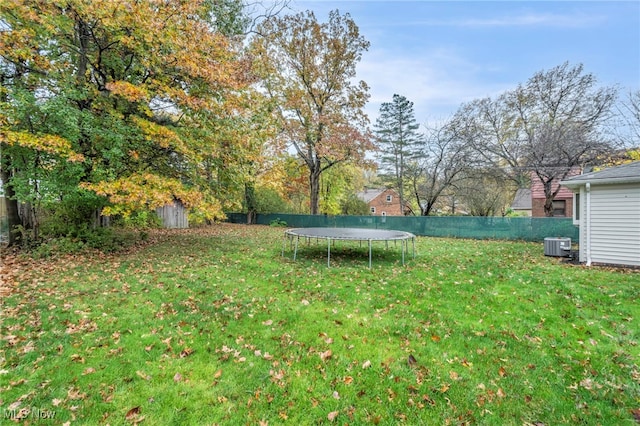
pixel 213 326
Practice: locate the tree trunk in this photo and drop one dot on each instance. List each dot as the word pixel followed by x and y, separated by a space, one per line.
pixel 548 198
pixel 250 203
pixel 314 190
pixel 548 207
pixel 13 217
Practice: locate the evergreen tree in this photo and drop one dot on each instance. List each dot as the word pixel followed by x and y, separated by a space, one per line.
pixel 397 135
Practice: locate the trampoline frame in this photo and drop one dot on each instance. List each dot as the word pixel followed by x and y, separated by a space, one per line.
pixel 348 234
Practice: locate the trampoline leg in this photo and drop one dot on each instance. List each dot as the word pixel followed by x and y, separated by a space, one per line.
pixel 413 240
pixel 403 242
pixel 295 250
pixel 369 254
pixel 328 252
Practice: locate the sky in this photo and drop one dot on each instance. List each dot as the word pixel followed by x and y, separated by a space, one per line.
pixel 441 54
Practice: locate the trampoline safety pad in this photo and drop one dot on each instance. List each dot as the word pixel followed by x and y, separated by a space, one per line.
pixel 352 234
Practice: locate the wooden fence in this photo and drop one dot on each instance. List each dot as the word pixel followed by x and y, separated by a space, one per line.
pixel 173 215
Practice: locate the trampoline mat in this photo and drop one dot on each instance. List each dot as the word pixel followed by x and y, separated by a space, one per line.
pixel 363 234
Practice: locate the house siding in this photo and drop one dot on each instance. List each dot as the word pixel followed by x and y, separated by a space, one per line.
pixel 615 224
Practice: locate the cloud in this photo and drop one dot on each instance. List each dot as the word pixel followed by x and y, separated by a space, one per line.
pixel 437 82
pixel 525 19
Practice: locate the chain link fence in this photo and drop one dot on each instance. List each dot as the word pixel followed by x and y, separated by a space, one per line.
pixel 500 228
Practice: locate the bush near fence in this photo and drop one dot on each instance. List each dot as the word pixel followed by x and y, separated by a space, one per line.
pixel 499 228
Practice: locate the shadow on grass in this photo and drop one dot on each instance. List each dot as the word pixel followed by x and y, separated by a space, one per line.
pixel 350 253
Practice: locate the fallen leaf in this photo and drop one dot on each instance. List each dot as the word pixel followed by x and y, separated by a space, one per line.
pixel 217 374
pixel 74 394
pixel 366 364
pixel 326 355
pixel 177 377
pixel 133 413
pixel 332 415
pixel 336 395
pixel 77 358
pixel 143 375
pixel 348 380
pixel 186 352
pixel 267 322
pixel 391 394
pixel 412 361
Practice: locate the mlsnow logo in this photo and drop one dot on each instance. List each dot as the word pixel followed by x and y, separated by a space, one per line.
pixel 29 413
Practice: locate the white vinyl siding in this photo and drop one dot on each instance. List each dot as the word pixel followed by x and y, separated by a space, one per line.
pixel 615 224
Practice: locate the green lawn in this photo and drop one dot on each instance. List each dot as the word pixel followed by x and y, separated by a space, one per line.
pixel 213 326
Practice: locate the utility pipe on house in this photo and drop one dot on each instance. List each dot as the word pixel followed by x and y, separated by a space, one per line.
pixel 588 223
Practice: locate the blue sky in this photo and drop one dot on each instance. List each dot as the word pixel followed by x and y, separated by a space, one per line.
pixel 440 54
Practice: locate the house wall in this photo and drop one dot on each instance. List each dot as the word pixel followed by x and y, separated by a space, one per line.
pixel 615 224
pixel 538 197
pixel 537 206
pixel 382 205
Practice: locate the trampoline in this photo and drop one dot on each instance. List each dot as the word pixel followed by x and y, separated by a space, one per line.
pixel 352 234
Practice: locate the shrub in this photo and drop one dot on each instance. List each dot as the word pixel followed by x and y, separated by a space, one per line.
pixel 278 223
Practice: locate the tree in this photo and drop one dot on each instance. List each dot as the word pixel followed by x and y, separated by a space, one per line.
pixel 629 111
pixel 337 184
pixel 550 126
pixel 307 70
pixel 153 93
pixel 485 193
pixel 440 166
pixel 398 139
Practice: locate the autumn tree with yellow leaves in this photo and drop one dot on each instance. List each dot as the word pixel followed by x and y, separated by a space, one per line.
pixel 125 105
pixel 307 69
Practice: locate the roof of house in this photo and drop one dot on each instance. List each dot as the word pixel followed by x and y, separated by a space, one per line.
pixel 522 199
pixel 369 194
pixel 626 173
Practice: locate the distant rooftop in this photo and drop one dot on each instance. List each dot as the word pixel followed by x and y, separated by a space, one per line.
pixel 369 194
pixel 522 199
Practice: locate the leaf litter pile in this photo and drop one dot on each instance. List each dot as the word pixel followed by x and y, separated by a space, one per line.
pixel 213 326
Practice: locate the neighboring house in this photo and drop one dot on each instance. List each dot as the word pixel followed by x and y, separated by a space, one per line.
pixel 608 214
pixel 382 202
pixel 562 203
pixel 522 201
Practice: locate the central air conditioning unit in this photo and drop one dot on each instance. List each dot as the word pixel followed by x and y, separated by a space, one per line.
pixel 560 247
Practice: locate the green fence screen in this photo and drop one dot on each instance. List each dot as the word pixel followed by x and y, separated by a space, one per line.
pixel 501 228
